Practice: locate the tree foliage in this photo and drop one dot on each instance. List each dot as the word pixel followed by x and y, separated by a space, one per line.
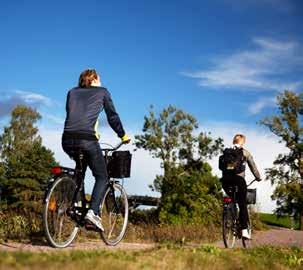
pixel 187 186
pixel 287 172
pixel 191 195
pixel 25 162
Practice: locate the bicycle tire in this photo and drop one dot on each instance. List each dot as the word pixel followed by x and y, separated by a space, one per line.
pixel 228 227
pixel 60 230
pixel 114 214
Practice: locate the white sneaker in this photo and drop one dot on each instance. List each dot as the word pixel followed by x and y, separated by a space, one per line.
pixel 96 220
pixel 246 234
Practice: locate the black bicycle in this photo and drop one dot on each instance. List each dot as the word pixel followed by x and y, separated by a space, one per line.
pixel 66 205
pixel 231 229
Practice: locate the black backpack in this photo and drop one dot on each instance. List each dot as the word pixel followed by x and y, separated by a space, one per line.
pixel 232 161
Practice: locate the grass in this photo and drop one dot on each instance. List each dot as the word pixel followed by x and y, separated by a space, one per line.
pixel 17 228
pixel 272 219
pixel 162 257
pixel 152 233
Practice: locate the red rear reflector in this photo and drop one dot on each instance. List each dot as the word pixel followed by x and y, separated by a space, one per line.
pixel 56 170
pixel 227 199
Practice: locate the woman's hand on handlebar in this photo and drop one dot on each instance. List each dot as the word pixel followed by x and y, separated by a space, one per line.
pixel 125 139
pixel 256 179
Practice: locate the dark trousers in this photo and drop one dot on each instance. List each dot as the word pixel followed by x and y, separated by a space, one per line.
pixel 239 181
pixel 93 158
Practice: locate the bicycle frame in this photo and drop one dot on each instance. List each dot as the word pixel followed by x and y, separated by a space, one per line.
pixel 79 180
pixel 73 205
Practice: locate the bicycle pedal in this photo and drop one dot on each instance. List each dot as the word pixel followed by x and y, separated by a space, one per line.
pixel 91 227
pixel 78 213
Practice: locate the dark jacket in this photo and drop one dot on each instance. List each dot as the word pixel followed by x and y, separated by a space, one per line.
pixel 83 106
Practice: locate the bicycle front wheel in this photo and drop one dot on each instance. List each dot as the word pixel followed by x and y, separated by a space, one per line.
pixel 228 227
pixel 60 230
pixel 114 214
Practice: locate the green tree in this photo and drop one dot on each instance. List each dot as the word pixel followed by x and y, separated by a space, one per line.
pixel 25 162
pixel 287 172
pixel 187 184
pixel 191 195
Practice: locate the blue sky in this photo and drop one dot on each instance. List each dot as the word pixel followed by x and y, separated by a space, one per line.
pixel 224 61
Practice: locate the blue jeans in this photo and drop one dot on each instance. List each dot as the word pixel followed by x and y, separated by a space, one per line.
pixel 93 158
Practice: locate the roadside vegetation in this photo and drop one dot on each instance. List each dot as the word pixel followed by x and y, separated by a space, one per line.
pixel 162 257
pixel 283 221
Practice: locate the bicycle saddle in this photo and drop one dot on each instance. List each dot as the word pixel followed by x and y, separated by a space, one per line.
pixel 233 189
pixel 77 155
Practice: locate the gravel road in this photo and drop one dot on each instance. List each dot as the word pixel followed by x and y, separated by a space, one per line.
pixel 91 245
pixel 273 237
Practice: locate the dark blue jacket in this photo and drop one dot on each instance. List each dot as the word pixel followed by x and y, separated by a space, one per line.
pixel 83 106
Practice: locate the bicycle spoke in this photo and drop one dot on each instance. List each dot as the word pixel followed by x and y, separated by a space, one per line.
pixel 114 214
pixel 112 226
pixel 60 229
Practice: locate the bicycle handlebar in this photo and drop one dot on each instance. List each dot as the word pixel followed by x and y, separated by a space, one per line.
pixel 252 182
pixel 114 148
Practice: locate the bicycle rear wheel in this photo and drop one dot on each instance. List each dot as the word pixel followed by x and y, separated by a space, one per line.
pixel 114 214
pixel 60 230
pixel 228 227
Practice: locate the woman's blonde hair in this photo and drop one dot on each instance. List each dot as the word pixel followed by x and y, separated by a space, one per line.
pixel 239 139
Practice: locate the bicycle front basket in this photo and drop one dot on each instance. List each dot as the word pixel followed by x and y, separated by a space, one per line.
pixel 119 164
pixel 251 196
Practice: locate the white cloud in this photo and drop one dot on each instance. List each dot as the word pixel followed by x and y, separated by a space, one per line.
pixel 263 68
pixel 261 103
pixel 33 98
pixel 45 105
pixel 55 119
pixel 10 100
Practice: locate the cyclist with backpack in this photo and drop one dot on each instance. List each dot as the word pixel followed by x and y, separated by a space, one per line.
pixel 83 106
pixel 232 164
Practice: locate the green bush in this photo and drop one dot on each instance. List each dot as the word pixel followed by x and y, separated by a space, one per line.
pixel 191 196
pixel 19 225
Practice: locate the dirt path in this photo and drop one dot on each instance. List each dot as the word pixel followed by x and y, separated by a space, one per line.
pixel 91 245
pixel 273 237
pixel 280 237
